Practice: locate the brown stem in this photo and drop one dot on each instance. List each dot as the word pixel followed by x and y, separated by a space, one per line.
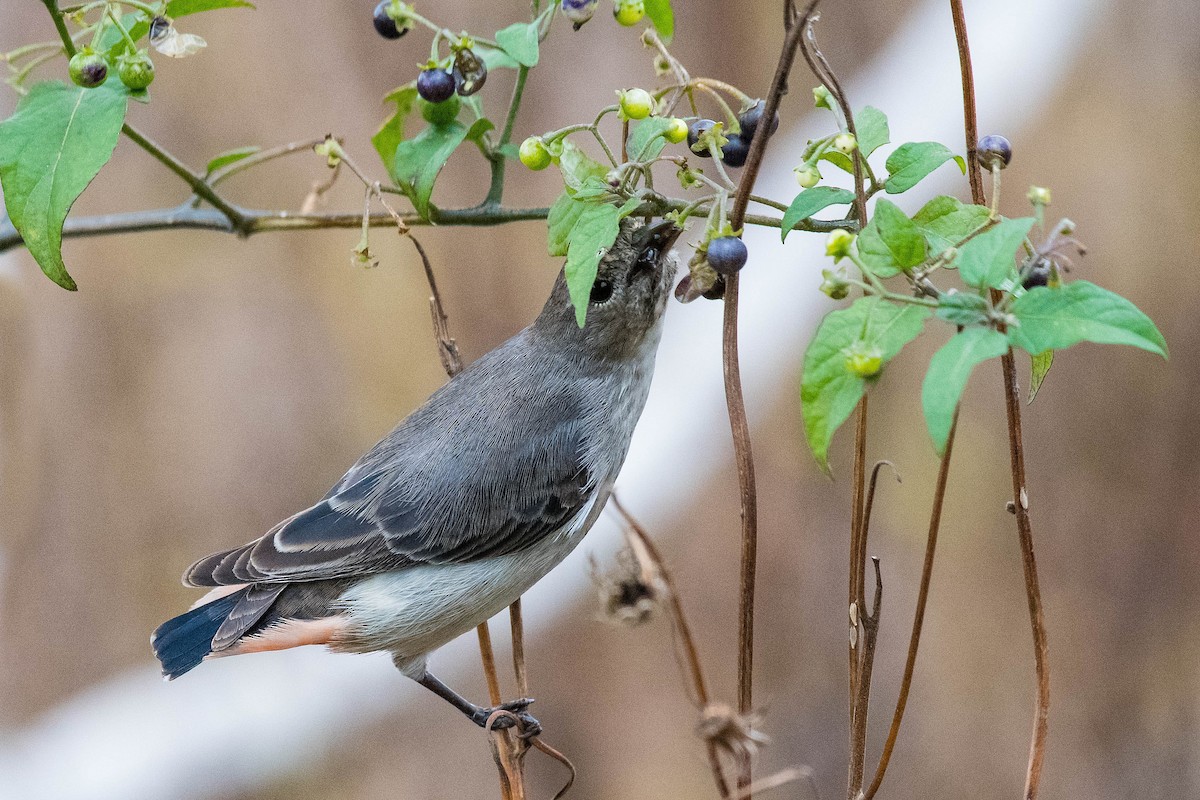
pixel 695 671
pixel 1016 449
pixel 914 641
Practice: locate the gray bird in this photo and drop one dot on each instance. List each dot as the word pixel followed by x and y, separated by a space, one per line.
pixel 471 500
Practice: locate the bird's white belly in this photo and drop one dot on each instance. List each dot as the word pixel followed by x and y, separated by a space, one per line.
pixel 415 610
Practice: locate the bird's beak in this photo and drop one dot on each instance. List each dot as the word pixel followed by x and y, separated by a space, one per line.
pixel 659 236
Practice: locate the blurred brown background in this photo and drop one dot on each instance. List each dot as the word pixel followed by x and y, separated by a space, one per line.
pixel 199 388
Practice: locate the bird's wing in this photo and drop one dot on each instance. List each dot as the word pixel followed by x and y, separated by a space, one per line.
pixel 455 482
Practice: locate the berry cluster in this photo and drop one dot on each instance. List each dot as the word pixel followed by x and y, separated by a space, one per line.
pixel 737 144
pixel 89 69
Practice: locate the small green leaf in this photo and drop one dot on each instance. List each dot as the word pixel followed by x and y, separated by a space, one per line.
pixel 420 159
pixel 50 150
pixel 646 141
pixel 912 161
pixel 391 132
pixel 181 8
pixel 987 260
pixel 1039 367
pixel 962 308
pixel 1055 319
pixel 577 166
pixel 229 157
pixel 593 233
pixel 520 40
pixel 562 218
pixel 873 133
pixel 495 58
pixel 891 241
pixel 478 128
pixel 839 160
pixel 660 13
pixel 809 202
pixel 949 370
pixel 945 221
pixel 829 390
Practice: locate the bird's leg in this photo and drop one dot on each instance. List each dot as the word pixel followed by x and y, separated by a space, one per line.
pixel 479 714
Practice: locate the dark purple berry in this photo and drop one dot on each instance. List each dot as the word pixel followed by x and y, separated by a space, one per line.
pixel 470 72
pixel 750 118
pixel 734 152
pixel 717 290
pixel 993 149
pixel 385 26
pixel 727 255
pixel 435 85
pixel 695 131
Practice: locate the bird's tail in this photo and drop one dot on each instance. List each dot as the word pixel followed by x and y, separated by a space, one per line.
pixel 182 642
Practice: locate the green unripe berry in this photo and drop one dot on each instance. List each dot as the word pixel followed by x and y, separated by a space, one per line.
pixel 838 243
pixel 863 360
pixel 845 143
pixel 534 153
pixel 822 98
pixel 440 113
pixel 136 71
pixel 629 12
pixel 807 175
pixel 636 103
pixel 87 68
pixel 676 132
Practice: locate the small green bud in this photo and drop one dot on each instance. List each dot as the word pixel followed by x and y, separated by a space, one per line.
pixel 838 243
pixel 676 132
pixel 863 360
pixel 1039 195
pixel 534 153
pixel 661 66
pixel 629 12
pixel 822 97
pixel 636 103
pixel 834 285
pixel 687 177
pixel 845 143
pixel 807 175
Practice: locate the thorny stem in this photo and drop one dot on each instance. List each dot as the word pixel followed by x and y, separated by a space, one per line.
pixel 687 643
pixel 736 402
pixel 1016 448
pixel 914 641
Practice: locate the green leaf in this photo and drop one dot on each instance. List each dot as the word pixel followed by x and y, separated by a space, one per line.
pixel 945 221
pixel 495 58
pixel 912 161
pixel 50 150
pixel 987 260
pixel 646 141
pixel 181 8
pixel 420 159
pixel 520 40
pixel 1055 319
pixel 828 389
pixel 660 13
pixel 577 166
pixel 838 159
pixel 1039 367
pixel 229 157
pixel 391 132
pixel 593 233
pixel 562 218
pixel 949 370
pixel 809 202
pixel 873 133
pixel 962 308
pixel 891 241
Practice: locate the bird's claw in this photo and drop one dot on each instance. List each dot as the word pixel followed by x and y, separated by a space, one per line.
pixel 517 714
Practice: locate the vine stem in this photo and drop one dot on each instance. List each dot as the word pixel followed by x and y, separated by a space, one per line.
pixel 1016 447
pixel 736 402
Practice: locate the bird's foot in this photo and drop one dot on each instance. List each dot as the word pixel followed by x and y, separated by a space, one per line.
pixel 506 715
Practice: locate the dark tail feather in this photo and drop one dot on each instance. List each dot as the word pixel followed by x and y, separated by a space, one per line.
pixel 182 643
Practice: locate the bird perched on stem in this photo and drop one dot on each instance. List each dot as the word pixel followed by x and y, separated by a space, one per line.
pixel 471 500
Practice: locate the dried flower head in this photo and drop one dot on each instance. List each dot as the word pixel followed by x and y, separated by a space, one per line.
pixel 731 732
pixel 628 595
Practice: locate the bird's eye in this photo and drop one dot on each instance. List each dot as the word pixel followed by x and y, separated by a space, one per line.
pixel 601 292
pixel 649 255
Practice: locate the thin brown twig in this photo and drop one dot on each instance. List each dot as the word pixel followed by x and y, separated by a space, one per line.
pixel 1016 448
pixel 637 535
pixel 914 641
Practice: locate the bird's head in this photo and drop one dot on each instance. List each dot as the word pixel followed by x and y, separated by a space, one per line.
pixel 628 296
